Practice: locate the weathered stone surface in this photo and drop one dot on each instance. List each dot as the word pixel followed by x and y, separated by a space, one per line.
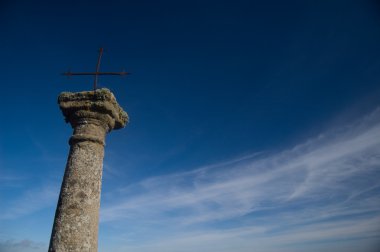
pixel 91 114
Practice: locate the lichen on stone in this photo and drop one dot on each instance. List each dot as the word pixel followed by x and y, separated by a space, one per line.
pixel 100 101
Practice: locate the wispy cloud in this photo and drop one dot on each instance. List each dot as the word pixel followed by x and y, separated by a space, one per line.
pixel 7 179
pixel 29 202
pixel 312 192
pixel 21 246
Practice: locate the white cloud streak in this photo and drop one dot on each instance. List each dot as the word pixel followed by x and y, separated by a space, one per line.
pixel 29 202
pixel 322 190
pixel 21 246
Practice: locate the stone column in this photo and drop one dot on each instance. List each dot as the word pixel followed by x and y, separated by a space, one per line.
pixel 91 114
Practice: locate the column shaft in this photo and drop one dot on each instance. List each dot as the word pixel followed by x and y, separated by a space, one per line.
pixel 91 114
pixel 77 215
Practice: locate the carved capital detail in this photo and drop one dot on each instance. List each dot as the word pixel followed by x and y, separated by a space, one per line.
pixel 99 107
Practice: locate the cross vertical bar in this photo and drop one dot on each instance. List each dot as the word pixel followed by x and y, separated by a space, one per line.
pixel 97 68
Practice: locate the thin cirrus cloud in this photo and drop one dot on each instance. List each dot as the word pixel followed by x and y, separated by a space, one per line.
pixel 324 191
pixel 29 202
pixel 21 246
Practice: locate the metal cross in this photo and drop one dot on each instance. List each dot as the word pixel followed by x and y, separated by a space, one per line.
pixel 96 73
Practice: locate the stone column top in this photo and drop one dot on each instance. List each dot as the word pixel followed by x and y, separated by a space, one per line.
pixel 100 102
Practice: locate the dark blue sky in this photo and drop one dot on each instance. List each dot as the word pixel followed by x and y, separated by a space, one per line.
pixel 211 81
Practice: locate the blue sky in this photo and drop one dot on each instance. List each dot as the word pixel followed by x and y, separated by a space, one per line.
pixel 254 125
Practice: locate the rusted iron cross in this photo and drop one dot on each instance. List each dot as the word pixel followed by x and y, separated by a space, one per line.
pixel 96 73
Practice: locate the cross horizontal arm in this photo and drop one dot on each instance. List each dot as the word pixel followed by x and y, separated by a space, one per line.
pixel 96 73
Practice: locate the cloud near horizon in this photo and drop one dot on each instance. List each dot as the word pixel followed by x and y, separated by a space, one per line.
pixel 21 246
pixel 323 192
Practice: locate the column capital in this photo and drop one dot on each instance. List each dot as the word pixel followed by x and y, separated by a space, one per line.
pixel 99 106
